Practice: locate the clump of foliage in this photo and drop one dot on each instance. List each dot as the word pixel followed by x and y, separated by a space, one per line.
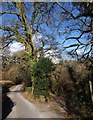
pixel 41 71
pixel 71 80
pixel 18 79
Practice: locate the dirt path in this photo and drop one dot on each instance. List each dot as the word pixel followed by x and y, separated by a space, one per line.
pixel 25 109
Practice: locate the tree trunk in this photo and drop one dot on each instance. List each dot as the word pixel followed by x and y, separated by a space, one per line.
pixel 32 86
pixel 29 50
pixel 91 90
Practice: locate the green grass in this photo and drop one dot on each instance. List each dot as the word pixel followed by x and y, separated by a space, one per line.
pixel 29 89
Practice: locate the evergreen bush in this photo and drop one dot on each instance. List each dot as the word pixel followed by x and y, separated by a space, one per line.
pixel 41 71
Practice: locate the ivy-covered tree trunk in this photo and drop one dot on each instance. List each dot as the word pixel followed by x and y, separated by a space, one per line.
pixel 31 64
pixel 33 85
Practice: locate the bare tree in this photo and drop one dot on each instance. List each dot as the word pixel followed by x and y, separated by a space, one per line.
pixel 23 20
pixel 78 31
pixel 70 22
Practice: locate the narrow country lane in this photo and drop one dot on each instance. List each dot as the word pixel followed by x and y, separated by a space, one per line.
pixel 25 109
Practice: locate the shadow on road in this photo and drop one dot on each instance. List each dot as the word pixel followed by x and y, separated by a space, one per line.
pixel 7 105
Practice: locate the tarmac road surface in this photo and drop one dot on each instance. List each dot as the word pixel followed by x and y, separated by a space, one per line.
pixel 25 109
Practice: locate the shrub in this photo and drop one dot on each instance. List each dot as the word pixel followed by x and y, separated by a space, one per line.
pixel 18 79
pixel 41 72
pixel 41 87
pixel 70 82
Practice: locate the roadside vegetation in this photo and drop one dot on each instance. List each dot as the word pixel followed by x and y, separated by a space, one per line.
pixel 67 83
pixel 70 84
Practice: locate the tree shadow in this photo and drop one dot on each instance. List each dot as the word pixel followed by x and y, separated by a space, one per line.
pixel 7 105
